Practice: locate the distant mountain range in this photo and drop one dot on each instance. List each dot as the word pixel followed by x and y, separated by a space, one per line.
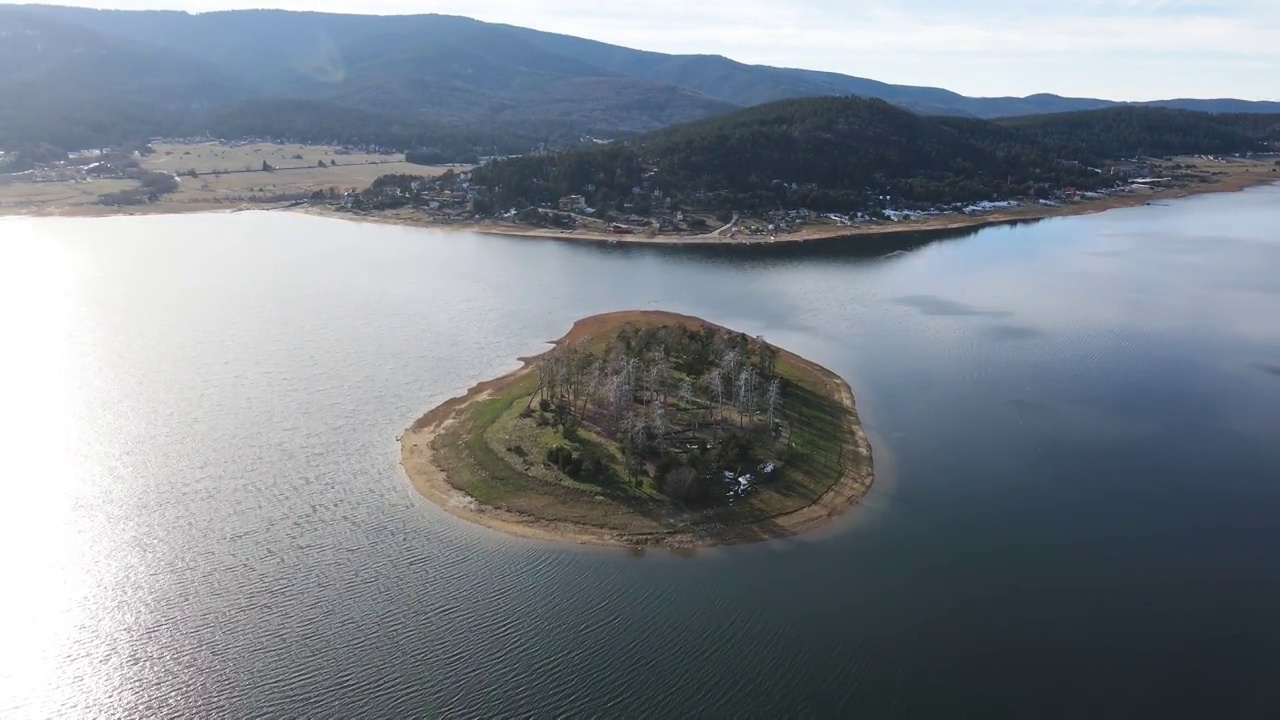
pixel 83 77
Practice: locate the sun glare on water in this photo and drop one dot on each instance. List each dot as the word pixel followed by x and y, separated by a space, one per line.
pixel 46 582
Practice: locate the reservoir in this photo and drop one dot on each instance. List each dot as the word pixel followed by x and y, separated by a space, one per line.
pixel 1076 511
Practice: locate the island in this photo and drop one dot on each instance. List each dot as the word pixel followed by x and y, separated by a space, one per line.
pixel 646 428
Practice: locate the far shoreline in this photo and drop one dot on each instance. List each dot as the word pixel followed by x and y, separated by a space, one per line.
pixel 811 234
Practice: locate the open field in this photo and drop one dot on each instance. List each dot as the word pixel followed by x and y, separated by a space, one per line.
pixel 296 171
pixel 480 458
pixel 228 176
pixel 29 197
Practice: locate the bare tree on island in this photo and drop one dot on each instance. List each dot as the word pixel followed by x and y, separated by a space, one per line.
pixel 714 381
pixel 685 397
pixel 658 424
pixel 773 401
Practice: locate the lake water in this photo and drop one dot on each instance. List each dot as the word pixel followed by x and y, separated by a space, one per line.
pixel 1077 435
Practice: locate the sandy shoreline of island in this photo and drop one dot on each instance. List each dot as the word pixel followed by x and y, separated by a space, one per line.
pixel 431 481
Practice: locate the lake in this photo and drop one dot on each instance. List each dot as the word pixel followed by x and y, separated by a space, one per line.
pixel 1077 507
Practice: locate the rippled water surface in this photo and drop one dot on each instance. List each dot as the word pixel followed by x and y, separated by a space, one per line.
pixel 1077 428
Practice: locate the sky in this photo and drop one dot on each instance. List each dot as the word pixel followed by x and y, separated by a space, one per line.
pixel 1114 49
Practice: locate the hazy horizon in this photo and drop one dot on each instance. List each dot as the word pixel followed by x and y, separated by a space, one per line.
pixel 1135 50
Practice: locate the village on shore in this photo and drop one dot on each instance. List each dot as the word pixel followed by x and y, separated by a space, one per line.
pixel 455 197
pixel 185 174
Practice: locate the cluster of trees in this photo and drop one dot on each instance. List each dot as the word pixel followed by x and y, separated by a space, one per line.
pixel 400 181
pixel 688 409
pixel 848 154
pixel 152 185
pixel 397 190
pixel 442 156
pixel 26 156
pixel 607 175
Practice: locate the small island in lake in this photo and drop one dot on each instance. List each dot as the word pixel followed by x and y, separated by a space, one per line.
pixel 647 428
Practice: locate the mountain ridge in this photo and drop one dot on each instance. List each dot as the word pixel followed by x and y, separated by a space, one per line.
pixel 430 75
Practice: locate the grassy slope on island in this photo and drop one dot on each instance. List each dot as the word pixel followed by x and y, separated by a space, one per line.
pixel 489 452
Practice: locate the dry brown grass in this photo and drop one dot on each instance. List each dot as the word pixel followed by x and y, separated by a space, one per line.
pixel 222 180
pixel 296 172
pixel 29 196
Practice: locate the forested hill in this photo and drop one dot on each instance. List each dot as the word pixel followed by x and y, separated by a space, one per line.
pixel 1121 132
pixel 846 145
pixel 843 154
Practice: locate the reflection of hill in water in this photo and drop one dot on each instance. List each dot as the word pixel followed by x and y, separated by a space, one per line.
pixel 883 246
